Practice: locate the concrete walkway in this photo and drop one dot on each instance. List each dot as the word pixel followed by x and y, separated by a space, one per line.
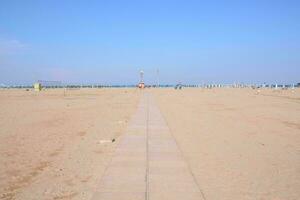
pixel 148 164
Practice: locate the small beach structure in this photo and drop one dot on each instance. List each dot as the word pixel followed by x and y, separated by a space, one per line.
pixel 37 87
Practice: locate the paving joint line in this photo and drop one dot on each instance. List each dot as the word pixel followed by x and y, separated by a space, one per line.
pixel 147 150
pixel 184 158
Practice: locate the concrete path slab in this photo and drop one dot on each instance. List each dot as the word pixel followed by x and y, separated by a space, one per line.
pixel 148 164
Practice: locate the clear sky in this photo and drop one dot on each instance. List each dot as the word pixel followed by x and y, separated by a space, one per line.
pixel 108 42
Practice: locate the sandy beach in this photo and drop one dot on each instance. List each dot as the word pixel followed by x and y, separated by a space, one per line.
pixel 240 143
pixel 149 100
pixel 55 146
pixel 237 143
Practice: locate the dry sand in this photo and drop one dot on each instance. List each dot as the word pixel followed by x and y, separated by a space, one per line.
pixel 50 144
pixel 239 143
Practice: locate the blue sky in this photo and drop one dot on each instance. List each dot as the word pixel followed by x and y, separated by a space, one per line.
pixel 108 42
